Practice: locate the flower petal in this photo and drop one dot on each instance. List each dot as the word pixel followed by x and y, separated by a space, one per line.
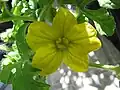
pixel 77 64
pixel 53 65
pixel 47 59
pixel 63 21
pixel 90 44
pixel 84 36
pixel 39 33
pixel 81 31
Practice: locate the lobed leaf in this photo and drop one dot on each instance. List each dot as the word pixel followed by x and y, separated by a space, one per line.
pixel 21 42
pixel 102 17
pixel 109 4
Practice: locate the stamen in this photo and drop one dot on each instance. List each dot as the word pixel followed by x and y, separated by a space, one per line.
pixel 62 43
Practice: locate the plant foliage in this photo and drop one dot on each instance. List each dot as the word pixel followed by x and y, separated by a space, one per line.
pixel 16 66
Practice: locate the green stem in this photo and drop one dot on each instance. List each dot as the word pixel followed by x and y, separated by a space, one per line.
pixel 102 66
pixel 96 65
pixel 2 19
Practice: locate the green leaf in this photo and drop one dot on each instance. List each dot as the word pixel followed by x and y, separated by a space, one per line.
pixel 50 14
pixel 33 4
pixel 105 21
pixel 41 15
pixel 109 4
pixel 42 3
pixel 21 42
pixel 117 70
pixel 25 79
pixel 14 3
pixel 17 9
pixel 3 0
pixel 81 18
pixel 67 1
pixel 22 77
pixel 80 3
pixel 117 2
pixel 6 74
pixel 5 12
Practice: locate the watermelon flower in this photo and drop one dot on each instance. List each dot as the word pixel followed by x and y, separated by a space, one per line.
pixel 64 41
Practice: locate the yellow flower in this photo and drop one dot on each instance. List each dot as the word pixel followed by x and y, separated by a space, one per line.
pixel 64 42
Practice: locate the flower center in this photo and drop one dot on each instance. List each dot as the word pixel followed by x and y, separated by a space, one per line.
pixel 62 43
